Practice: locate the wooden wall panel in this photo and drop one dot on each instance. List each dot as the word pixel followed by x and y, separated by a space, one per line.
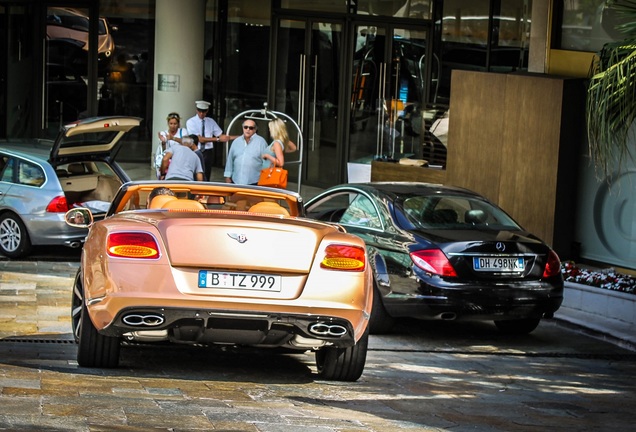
pixel 530 155
pixel 474 145
pixel 510 137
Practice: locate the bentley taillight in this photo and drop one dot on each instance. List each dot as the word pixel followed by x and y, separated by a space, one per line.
pixel 344 257
pixel 132 245
pixel 57 205
pixel 433 261
pixel 552 265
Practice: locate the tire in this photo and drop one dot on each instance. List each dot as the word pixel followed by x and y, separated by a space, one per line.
pixel 14 238
pixel 343 364
pixel 94 349
pixel 76 305
pixel 518 326
pixel 380 322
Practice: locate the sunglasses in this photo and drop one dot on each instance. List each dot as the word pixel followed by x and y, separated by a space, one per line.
pixel 173 116
pixel 249 127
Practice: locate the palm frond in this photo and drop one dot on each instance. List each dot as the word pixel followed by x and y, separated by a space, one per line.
pixel 611 99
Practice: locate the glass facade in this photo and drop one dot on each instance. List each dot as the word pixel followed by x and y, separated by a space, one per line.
pixel 244 54
pixel 484 35
pixel 365 79
pixel 585 25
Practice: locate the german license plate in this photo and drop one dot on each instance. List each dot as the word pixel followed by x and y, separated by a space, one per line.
pixel 245 281
pixel 498 264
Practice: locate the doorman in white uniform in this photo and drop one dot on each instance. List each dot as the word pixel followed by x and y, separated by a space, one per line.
pixel 208 132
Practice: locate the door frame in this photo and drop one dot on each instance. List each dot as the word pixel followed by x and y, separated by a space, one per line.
pixel 349 23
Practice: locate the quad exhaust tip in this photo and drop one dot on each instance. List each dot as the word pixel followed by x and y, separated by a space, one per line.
pixel 143 320
pixel 324 329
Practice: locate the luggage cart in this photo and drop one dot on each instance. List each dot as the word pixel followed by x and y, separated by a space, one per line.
pixel 265 115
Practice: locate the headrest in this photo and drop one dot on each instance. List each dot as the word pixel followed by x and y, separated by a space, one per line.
pixel 76 168
pixel 160 200
pixel 475 216
pixel 268 207
pixel 183 204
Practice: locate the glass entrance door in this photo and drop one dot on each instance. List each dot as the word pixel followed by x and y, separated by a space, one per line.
pixel 66 67
pixel 352 85
pixel 389 87
pixel 307 88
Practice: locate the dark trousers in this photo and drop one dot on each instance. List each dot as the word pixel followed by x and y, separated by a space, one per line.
pixel 208 157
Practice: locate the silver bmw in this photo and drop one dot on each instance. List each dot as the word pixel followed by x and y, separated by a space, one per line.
pixel 40 180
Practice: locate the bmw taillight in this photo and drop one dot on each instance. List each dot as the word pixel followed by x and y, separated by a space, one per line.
pixel 344 257
pixel 433 261
pixel 57 205
pixel 132 245
pixel 552 265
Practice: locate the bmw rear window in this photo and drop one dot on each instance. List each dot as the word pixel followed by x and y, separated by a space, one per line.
pixel 89 138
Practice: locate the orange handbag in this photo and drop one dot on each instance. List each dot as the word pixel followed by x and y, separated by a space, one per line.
pixel 275 177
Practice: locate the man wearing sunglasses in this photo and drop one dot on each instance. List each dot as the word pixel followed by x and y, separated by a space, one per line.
pixel 207 131
pixel 244 160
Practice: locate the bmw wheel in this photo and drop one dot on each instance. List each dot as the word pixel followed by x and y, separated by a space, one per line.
pixel 76 305
pixel 94 349
pixel 14 239
pixel 343 364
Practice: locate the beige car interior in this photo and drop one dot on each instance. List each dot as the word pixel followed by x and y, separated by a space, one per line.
pixel 268 207
pixel 235 202
pixel 183 204
pixel 81 186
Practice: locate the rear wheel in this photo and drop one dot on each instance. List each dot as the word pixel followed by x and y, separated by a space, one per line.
pixel 94 349
pixel 518 326
pixel 14 239
pixel 380 321
pixel 343 364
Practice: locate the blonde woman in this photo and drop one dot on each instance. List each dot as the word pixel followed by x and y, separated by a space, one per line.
pixel 168 138
pixel 281 144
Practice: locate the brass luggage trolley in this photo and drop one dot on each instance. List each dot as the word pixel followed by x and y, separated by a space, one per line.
pixel 265 115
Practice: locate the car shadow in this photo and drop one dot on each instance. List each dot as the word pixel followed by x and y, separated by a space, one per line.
pixel 57 352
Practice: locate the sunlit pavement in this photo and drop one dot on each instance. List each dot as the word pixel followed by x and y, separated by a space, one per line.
pixel 433 376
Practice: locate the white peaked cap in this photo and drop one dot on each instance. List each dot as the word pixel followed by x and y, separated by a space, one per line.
pixel 202 105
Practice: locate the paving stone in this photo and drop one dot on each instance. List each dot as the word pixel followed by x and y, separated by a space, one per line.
pixel 412 382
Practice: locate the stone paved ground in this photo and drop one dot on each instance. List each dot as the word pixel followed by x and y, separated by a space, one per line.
pixel 434 377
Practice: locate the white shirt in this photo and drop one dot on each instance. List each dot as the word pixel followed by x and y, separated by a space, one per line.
pixel 212 129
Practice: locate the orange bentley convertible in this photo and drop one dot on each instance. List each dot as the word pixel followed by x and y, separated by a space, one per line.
pixel 217 263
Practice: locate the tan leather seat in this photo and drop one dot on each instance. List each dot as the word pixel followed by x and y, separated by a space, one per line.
pixel 183 204
pixel 159 201
pixel 268 207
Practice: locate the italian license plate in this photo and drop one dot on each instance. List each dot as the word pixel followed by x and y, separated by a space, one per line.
pixel 498 264
pixel 245 281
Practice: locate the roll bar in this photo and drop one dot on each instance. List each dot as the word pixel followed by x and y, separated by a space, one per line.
pixel 266 115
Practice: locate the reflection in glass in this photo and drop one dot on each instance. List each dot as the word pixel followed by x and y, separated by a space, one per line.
pixel 396 8
pixel 314 5
pixel 124 83
pixel 246 57
pixel 474 40
pixel 307 89
pixel 66 89
pixel 390 116
pixel 16 65
pixel 588 25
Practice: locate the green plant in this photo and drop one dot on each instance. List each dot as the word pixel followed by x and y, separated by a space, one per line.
pixel 611 96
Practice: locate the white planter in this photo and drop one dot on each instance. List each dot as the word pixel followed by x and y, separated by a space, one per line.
pixel 591 304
